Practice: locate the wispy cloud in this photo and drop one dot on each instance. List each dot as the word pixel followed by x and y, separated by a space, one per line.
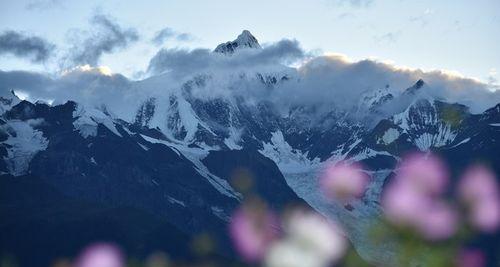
pixel 43 4
pixel 168 33
pixel 390 37
pixel 34 48
pixel 346 15
pixel 354 3
pixel 107 36
pixel 422 19
pixel 321 82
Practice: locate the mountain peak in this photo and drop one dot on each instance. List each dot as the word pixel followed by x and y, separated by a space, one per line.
pixel 420 83
pixel 374 99
pixel 244 40
pixel 8 99
pixel 416 87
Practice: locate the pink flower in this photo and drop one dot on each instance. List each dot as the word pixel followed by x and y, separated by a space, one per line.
pixel 100 255
pixel 412 198
pixel 439 222
pixel 425 172
pixel 343 181
pixel 479 190
pixel 252 230
pixel 471 258
pixel 486 215
pixel 403 204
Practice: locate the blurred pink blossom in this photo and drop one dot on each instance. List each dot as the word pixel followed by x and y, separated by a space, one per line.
pixel 403 204
pixel 413 198
pixel 344 181
pixel 425 172
pixel 471 258
pixel 439 222
pixel 101 255
pixel 479 190
pixel 252 230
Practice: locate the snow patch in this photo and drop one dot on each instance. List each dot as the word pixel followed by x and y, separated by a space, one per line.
pixel 444 137
pixel 389 136
pixel 176 201
pixel 24 143
pixel 89 118
pixel 219 212
pixel 195 155
pixel 143 146
pixel 462 142
pixel 368 153
pixel 288 159
pixel 8 99
pixel 232 142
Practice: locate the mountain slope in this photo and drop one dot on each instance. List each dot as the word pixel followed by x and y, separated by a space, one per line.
pixel 178 151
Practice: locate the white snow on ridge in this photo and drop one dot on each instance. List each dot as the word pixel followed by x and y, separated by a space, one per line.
pixel 143 147
pixel 188 119
pixel 232 142
pixel 389 136
pixel 219 212
pixel 174 115
pixel 7 100
pixel 88 120
pixel 25 143
pixel 289 160
pixel 424 141
pixel 176 201
pixel 195 155
pixel 462 142
pixel 444 137
pixel 368 153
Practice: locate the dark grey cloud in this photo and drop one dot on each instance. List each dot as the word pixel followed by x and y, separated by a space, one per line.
pixel 191 61
pixel 105 37
pixel 31 81
pixel 34 48
pixel 169 33
pixel 84 86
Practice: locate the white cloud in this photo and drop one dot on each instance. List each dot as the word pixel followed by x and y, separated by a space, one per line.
pixel 182 61
pixel 328 81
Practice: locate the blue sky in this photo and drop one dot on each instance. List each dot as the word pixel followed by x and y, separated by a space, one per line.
pixel 456 35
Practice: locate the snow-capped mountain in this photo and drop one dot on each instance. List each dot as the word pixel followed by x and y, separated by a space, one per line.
pixel 173 153
pixel 244 41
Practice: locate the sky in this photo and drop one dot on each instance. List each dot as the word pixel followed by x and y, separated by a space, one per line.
pixel 454 35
